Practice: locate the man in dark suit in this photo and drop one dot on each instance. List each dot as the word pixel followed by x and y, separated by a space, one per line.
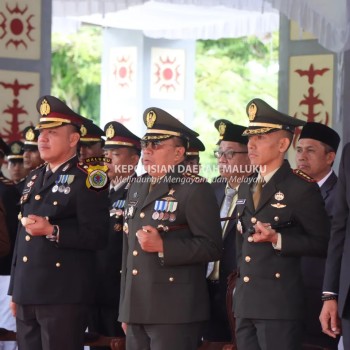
pixel 64 220
pixel 172 229
pixel 123 148
pixel 335 314
pixel 233 165
pixel 315 154
pixel 281 218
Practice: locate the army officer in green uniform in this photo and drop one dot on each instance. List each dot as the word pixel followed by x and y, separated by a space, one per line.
pixel 164 298
pixel 281 218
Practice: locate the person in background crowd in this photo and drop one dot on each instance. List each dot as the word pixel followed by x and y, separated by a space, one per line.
pixel 91 143
pixel 233 164
pixel 123 148
pixel 5 244
pixel 164 298
pixel 9 197
pixel 281 218
pixel 64 220
pixel 192 159
pixel 335 313
pixel 315 155
pixel 15 166
pixel 4 149
pixel 31 155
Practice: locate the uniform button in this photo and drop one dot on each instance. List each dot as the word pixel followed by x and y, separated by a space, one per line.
pixel 171 279
pixel 277 275
pixel 25 259
pixel 253 220
pixel 276 218
pixel 121 271
pixel 28 238
pixel 58 264
pixel 247 258
pixel 250 239
pixel 37 197
pixel 246 279
pixel 134 272
pixel 55 203
pixel 135 253
pixel 142 215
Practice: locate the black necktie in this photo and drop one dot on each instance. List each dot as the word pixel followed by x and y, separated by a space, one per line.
pixel 47 175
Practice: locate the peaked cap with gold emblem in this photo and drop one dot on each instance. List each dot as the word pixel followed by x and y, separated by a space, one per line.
pixel 195 146
pixel 55 113
pixel 16 151
pixel 92 135
pixel 230 132
pixel 119 136
pixel 30 135
pixel 161 125
pixel 264 119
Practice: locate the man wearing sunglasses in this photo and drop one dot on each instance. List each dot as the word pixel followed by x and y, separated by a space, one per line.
pixel 234 166
pixel 172 230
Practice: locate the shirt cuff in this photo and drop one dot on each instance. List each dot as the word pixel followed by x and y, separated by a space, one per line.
pixel 278 245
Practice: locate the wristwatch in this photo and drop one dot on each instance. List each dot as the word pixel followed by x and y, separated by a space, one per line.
pixel 53 237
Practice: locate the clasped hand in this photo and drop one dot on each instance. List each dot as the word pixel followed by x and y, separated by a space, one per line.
pixel 264 233
pixel 150 239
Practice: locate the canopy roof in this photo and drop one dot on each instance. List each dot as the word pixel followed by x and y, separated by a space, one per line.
pixel 328 20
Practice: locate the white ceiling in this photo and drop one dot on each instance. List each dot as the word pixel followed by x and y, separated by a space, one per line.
pixel 328 20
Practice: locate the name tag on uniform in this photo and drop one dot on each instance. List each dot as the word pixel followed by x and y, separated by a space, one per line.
pixel 240 201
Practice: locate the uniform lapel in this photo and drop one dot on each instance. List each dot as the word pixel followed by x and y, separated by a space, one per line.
pixel 270 188
pixel 328 185
pixel 63 169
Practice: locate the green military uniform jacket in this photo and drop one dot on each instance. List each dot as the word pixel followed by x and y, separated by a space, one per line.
pixel 269 283
pixel 172 289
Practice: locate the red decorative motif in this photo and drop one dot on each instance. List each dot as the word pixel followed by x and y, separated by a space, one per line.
pixel 312 99
pixel 122 119
pixel 167 74
pixel 123 71
pixel 15 110
pixel 16 27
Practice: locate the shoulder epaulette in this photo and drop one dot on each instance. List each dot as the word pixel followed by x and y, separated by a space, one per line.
pixel 303 175
pixel 6 181
pixel 194 177
pixel 82 166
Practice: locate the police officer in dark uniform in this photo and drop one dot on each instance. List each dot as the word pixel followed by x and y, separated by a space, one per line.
pixel 172 230
pixel 315 154
pixel 91 144
pixel 15 166
pixel 281 218
pixel 31 154
pixel 123 148
pixel 64 220
pixel 9 198
pixel 233 162
pixel 4 149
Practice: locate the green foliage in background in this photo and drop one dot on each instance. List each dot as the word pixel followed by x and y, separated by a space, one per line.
pixel 76 70
pixel 229 73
